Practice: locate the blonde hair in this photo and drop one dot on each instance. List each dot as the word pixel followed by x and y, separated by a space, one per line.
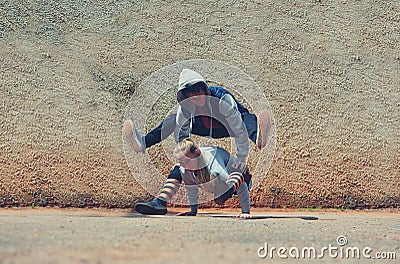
pixel 188 146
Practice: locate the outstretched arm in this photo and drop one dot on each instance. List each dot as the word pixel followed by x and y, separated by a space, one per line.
pixel 228 108
pixel 193 199
pixel 244 199
pixel 182 129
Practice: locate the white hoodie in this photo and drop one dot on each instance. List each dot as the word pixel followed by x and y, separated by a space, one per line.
pixel 218 161
pixel 221 108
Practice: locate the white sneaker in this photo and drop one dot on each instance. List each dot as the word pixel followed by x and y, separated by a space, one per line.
pixel 264 127
pixel 135 139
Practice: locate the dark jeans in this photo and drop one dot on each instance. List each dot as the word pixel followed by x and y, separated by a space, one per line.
pixel 167 127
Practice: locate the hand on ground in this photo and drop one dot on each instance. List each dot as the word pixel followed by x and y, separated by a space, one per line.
pixel 187 214
pixel 244 215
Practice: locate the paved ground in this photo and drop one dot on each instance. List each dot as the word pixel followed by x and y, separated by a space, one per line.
pixel 48 235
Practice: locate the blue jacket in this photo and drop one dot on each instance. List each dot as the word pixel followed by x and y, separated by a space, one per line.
pixel 218 92
pixel 223 107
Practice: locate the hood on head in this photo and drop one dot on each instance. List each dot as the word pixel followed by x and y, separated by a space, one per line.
pixel 188 78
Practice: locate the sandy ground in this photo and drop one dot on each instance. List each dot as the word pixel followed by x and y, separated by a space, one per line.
pixel 51 235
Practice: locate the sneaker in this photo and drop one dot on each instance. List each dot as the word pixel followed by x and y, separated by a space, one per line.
pixel 264 127
pixel 156 206
pixel 222 199
pixel 135 139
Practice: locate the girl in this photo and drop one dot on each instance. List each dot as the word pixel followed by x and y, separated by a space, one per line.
pixel 211 168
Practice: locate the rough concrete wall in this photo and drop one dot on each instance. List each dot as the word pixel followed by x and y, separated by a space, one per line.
pixel 330 70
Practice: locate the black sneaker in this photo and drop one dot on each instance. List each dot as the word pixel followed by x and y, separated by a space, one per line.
pixel 156 206
pixel 222 199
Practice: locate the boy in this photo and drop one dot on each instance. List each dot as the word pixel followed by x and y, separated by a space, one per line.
pixel 209 168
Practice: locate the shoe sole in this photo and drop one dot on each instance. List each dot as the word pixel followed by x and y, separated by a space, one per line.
pixel 129 132
pixel 264 121
pixel 218 201
pixel 148 210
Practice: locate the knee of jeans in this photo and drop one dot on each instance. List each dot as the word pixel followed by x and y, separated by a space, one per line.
pixel 175 173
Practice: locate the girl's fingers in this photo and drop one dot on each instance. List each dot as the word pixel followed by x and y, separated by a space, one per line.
pixel 244 216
